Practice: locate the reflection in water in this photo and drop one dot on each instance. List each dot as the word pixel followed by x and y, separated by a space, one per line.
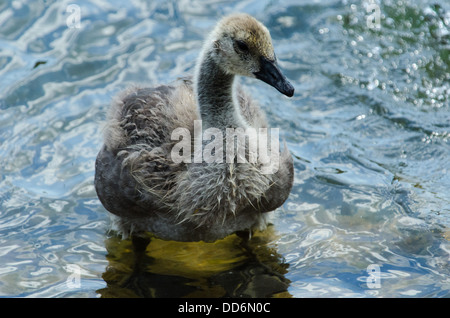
pixel 232 267
pixel 369 131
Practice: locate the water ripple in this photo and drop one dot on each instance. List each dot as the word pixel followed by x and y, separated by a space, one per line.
pixel 368 128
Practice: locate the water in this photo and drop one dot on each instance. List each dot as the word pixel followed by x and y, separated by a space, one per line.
pixel 369 128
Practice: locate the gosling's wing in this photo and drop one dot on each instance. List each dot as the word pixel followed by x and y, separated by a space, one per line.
pixel 134 169
pixel 118 190
pixel 139 116
pixel 283 178
pixel 279 190
pixel 132 158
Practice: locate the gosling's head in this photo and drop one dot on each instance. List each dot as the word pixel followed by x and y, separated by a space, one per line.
pixel 241 45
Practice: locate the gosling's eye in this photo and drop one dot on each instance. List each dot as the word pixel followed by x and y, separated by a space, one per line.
pixel 241 45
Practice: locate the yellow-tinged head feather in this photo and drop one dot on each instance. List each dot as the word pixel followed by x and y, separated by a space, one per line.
pixel 245 28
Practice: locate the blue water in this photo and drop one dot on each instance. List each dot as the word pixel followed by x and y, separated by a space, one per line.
pixel 369 129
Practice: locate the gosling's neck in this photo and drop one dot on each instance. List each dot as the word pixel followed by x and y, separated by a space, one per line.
pixel 215 94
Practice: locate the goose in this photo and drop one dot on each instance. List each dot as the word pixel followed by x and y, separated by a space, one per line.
pixel 136 177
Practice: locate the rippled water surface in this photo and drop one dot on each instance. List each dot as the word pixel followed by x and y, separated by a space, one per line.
pixel 369 128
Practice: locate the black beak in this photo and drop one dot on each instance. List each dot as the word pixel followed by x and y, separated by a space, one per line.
pixel 271 74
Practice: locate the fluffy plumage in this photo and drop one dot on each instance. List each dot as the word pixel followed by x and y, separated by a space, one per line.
pixel 136 178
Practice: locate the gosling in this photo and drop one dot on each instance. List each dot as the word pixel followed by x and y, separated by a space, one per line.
pixel 138 181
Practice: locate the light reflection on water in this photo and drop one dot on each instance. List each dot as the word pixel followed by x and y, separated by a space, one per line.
pixel 368 128
pixel 232 267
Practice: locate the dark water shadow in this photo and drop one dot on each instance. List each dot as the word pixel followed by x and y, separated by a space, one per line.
pixel 232 267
